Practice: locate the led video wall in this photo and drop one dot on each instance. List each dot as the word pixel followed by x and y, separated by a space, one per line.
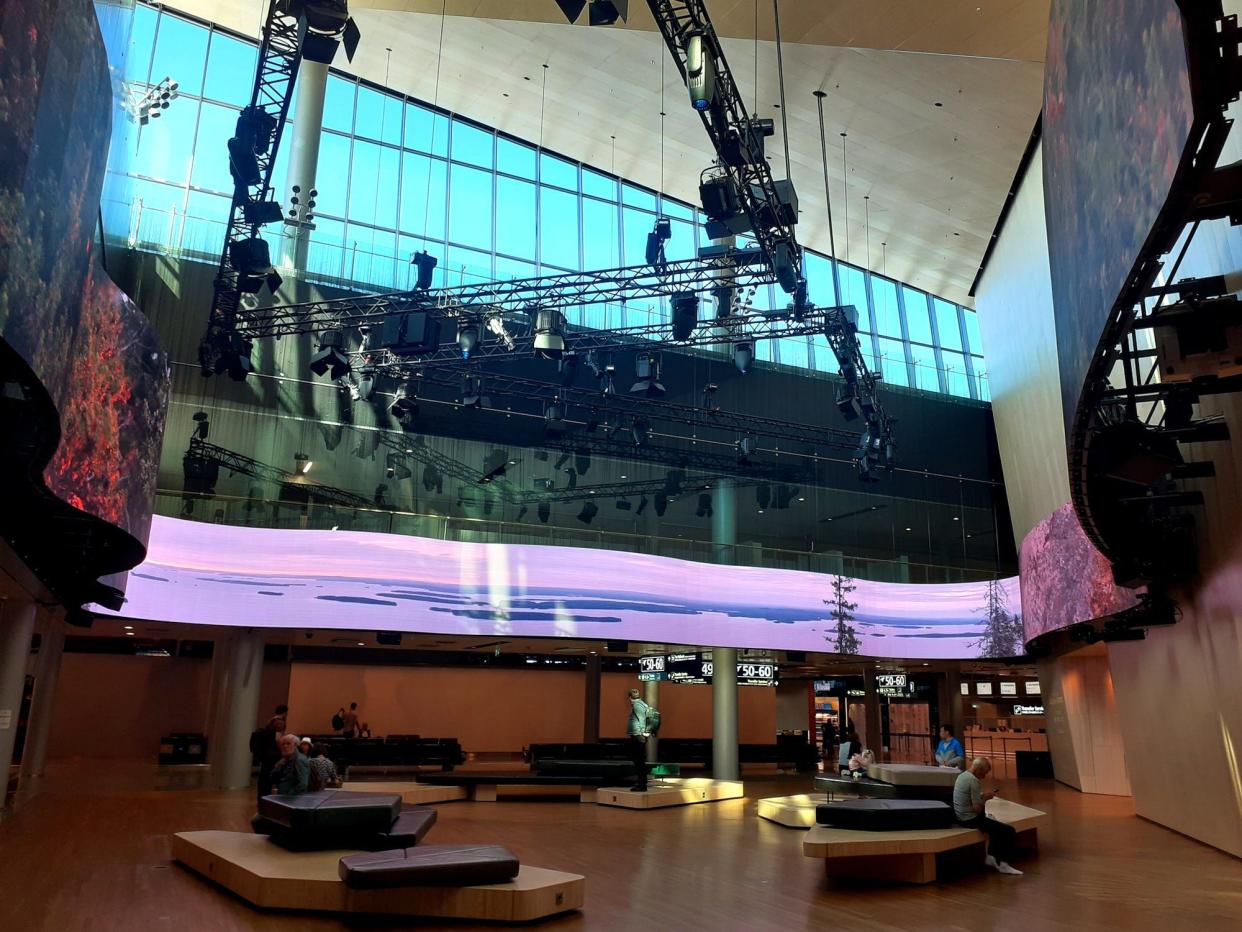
pixel 1117 118
pixel 259 577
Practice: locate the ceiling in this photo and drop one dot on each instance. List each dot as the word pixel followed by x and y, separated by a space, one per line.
pixel 938 105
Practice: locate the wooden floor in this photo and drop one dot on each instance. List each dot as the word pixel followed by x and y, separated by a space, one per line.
pixel 100 860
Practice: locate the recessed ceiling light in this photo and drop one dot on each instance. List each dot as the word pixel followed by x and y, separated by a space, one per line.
pixel 361 644
pixel 909 529
pixel 129 634
pixel 760 511
pixel 956 518
pixel 129 627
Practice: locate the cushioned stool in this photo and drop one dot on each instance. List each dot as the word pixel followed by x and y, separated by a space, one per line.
pixel 410 828
pixel 885 815
pixel 331 810
pixel 430 865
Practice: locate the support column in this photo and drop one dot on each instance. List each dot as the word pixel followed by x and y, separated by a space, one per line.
pixel 651 696
pixel 47 674
pixel 17 620
pixel 303 161
pixel 724 659
pixel 215 727
pixel 590 720
pixel 873 737
pixel 239 705
pixel 951 704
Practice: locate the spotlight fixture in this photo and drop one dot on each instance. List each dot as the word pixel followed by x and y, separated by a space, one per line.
pixel 660 234
pixel 582 460
pixel 661 504
pixel 601 12
pixel 624 504
pixel 554 416
pixel 549 334
pixel 647 368
pixel 785 495
pixel 709 392
pixel 405 406
pixel 641 431
pixel 685 306
pixel 705 506
pixel 496 325
pixel 845 396
pixel 331 356
pixel 544 511
pixel 567 368
pixel 396 468
pixel 324 26
pixel 467 336
pixel 642 506
pixel 700 73
pixel 425 263
pixel 202 425
pixel 433 479
pixel 588 512
pixel 302 464
pixel 472 393
pixel 746 448
pixel 743 355
pixel 763 496
pixel 251 258
pixel 363 389
pixel 522 512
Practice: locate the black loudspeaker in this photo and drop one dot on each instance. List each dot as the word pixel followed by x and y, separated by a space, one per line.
pixel 795 656
pixel 388 638
pixel 617 647
pixel 410 334
pixel 685 315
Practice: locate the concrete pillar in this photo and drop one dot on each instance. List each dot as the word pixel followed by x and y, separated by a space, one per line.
pixel 217 705
pixel 724 714
pixel 724 522
pixel 590 720
pixel 239 707
pixel 303 161
pixel 651 696
pixel 17 621
pixel 872 735
pixel 951 704
pixel 47 674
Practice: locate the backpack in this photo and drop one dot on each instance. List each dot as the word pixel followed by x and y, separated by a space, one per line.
pixel 260 741
pixel 653 720
pixel 338 722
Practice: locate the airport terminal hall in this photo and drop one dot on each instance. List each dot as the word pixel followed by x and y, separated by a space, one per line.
pixel 617 465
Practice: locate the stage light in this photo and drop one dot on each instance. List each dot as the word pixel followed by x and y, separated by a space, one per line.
pixel 582 460
pixel 554 416
pixel 472 393
pixel 607 12
pixel 588 512
pixel 567 368
pixel 202 425
pixel 496 325
pixel 302 463
pixel 549 334
pixel 705 506
pixel 227 351
pixel 324 26
pixel 405 406
pixel 467 336
pixel 661 504
pixel 522 512
pixel 396 468
pixel 674 481
pixel 560 462
pixel 700 73
pixel 785 495
pixel 433 479
pixel 763 496
pixel 624 504
pixel 544 511
pixel 331 356
pixel 685 306
pixel 647 368
pixel 845 397
pixel 425 263
pixel 641 431
pixel 363 389
pixel 642 505
pixel 746 448
pixel 743 355
pixel 660 234
pixel 251 258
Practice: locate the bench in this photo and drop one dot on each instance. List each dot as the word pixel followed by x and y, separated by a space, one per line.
pixel 871 788
pixel 487 787
pixel 911 856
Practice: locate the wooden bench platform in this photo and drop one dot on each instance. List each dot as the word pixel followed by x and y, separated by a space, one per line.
pixel 411 793
pixel 911 856
pixel 672 791
pixel 789 811
pixel 268 876
pixel 491 787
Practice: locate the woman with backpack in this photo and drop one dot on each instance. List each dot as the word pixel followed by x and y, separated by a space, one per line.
pixel 638 731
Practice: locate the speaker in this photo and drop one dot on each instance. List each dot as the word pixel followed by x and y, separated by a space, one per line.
pixel 410 334
pixel 388 638
pixel 795 656
pixel 617 647
pixel 685 315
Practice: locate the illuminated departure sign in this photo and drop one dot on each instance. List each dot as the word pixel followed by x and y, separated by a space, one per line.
pixel 1028 710
pixel 650 668
pixel 697 669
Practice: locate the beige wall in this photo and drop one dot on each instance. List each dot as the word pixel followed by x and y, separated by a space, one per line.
pixel 1084 729
pixel 503 710
pixel 1014 302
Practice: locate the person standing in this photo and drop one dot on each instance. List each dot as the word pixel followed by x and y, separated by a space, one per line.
pixel 265 747
pixel 829 733
pixel 636 729
pixel 969 801
pixel 350 728
pixel 949 752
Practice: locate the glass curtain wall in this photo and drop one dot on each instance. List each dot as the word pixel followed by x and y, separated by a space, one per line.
pixel 396 176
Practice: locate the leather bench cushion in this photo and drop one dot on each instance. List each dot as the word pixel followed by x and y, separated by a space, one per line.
pixel 430 865
pixel 585 768
pixel 332 810
pixel 410 828
pixel 885 815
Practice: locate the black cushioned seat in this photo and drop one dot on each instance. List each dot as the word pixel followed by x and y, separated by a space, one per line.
pixel 620 769
pixel 409 829
pixel 430 865
pixel 332 810
pixel 885 815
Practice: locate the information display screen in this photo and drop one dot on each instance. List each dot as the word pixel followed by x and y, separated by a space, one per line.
pixel 650 668
pixel 1031 687
pixel 983 689
pixel 1008 688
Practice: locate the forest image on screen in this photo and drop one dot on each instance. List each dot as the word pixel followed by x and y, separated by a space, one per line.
pixel 1117 118
pixel 227 575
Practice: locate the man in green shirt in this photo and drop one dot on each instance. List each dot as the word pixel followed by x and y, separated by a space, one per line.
pixel 638 732
pixel 291 775
pixel 969 801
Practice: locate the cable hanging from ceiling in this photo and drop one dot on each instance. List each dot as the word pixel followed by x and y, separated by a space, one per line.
pixel 435 101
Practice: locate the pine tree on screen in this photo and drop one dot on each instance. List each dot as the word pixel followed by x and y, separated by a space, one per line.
pixel 1002 630
pixel 843 635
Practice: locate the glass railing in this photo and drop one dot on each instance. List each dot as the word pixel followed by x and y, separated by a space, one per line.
pixel 271 514
pixel 354 266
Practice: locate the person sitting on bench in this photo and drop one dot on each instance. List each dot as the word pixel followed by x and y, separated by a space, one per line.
pixel 949 752
pixel 968 808
pixel 291 775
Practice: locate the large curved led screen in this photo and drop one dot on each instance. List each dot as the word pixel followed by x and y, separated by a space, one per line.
pixel 258 577
pixel 1117 118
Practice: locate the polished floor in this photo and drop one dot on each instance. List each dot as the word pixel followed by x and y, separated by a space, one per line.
pixel 90 850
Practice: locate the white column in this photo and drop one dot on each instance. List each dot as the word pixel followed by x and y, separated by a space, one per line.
pixel 17 620
pixel 652 698
pixel 239 707
pixel 724 714
pixel 47 674
pixel 304 160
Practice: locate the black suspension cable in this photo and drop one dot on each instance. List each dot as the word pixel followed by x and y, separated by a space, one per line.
pixel 780 70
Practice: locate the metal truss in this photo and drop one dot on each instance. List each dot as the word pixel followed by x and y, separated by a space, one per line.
pixel 205 452
pixel 514 299
pixel 280 55
pixel 727 123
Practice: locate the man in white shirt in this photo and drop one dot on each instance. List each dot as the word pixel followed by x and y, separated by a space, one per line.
pixel 968 808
